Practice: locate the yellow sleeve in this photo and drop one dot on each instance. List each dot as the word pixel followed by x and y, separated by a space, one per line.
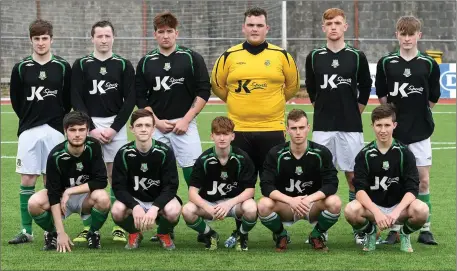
pixel 219 79
pixel 292 82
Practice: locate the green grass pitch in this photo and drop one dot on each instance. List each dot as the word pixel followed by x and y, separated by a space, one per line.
pixel 190 255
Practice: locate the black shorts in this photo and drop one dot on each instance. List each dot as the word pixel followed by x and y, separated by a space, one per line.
pixel 258 144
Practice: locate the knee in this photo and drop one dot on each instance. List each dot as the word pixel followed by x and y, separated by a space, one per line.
pixel 352 211
pixel 34 205
pixel 424 184
pixel 249 208
pixel 419 211
pixel 38 202
pixel 172 211
pixel 333 204
pixel 265 206
pixel 28 180
pixel 101 199
pixel 188 211
pixel 118 211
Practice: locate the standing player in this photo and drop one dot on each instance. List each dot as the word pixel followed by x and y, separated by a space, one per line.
pixel 299 181
pixel 40 96
pixel 76 182
pixel 172 81
pixel 222 184
pixel 410 80
pixel 103 87
pixel 338 81
pixel 387 184
pixel 145 182
pixel 255 79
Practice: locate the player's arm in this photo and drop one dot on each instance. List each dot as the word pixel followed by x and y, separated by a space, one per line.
pixel 66 97
pixel 381 82
pixel 410 177
pixel 77 89
pixel 141 88
pixel 219 78
pixel 120 181
pixel 98 178
pixel 128 91
pixel 329 177
pixel 364 82
pixel 197 178
pixel 292 77
pixel 16 91
pixel 434 85
pixel 268 178
pixel 248 179
pixel 310 78
pixel 170 181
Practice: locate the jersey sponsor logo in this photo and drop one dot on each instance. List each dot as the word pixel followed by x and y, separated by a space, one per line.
pixel 267 63
pixel 224 175
pixel 103 70
pixel 222 188
pixel 79 166
pixel 335 63
pixel 167 66
pixel 79 181
pixel 167 82
pixel 403 88
pixel 407 73
pixel 298 185
pixel 145 183
pixel 144 167
pixel 298 170
pixel 384 182
pixel 42 75
pixel 243 85
pixel 102 87
pixel 385 165
pixel 40 93
pixel 330 80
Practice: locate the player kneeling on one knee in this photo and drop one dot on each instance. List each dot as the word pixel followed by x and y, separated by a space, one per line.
pixel 75 184
pixel 222 184
pixel 387 184
pixel 299 181
pixel 145 183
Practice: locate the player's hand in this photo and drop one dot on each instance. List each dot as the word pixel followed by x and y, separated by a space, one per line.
pixel 181 127
pixel 393 216
pixel 149 219
pixel 211 210
pixel 298 206
pixel 222 209
pixel 165 126
pixel 63 242
pixel 97 134
pixel 63 201
pixel 148 108
pixel 138 214
pixel 108 134
pixel 382 220
pixel 307 202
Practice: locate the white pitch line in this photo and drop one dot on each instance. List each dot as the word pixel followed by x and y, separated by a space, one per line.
pixel 206 112
pixel 209 142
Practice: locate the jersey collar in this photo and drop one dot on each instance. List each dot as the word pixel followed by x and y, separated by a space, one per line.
pixel 255 50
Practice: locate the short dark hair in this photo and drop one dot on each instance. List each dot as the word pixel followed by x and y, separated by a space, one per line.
pixel 103 23
pixel 141 113
pixel 75 118
pixel 383 111
pixel 296 115
pixel 221 125
pixel 40 27
pixel 165 19
pixel 255 11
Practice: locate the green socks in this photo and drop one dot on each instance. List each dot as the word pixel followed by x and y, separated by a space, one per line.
pixel 25 193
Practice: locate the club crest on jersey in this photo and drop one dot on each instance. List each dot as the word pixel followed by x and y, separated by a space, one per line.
pixel 267 63
pixel 335 63
pixel 79 166
pixel 385 165
pixel 103 70
pixel 298 170
pixel 167 66
pixel 407 73
pixel 144 167
pixel 42 75
pixel 224 175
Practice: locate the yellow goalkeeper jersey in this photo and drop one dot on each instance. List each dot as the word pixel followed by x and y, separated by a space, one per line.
pixel 255 82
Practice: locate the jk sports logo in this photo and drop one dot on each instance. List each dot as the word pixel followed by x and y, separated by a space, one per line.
pixel 165 83
pixel 79 181
pixel 222 188
pixel 145 183
pixel 334 80
pixel 384 182
pixel 247 86
pixel 405 89
pixel 102 87
pixel 40 93
pixel 298 185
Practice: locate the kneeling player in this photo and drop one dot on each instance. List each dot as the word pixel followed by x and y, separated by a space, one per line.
pixel 75 184
pixel 222 184
pixel 299 181
pixel 145 183
pixel 387 183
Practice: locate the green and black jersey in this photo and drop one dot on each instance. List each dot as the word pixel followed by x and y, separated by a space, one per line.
pixel 40 94
pixel 149 177
pixel 387 177
pixel 63 170
pixel 337 83
pixel 313 172
pixel 217 181
pixel 170 84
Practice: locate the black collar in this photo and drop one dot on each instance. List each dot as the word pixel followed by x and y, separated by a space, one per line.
pixel 255 49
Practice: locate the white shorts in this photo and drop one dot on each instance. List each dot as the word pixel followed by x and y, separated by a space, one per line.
pixel 386 210
pixel 230 213
pixel 119 140
pixel 297 217
pixel 422 150
pixel 187 147
pixel 33 149
pixel 75 204
pixel 145 205
pixel 344 147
